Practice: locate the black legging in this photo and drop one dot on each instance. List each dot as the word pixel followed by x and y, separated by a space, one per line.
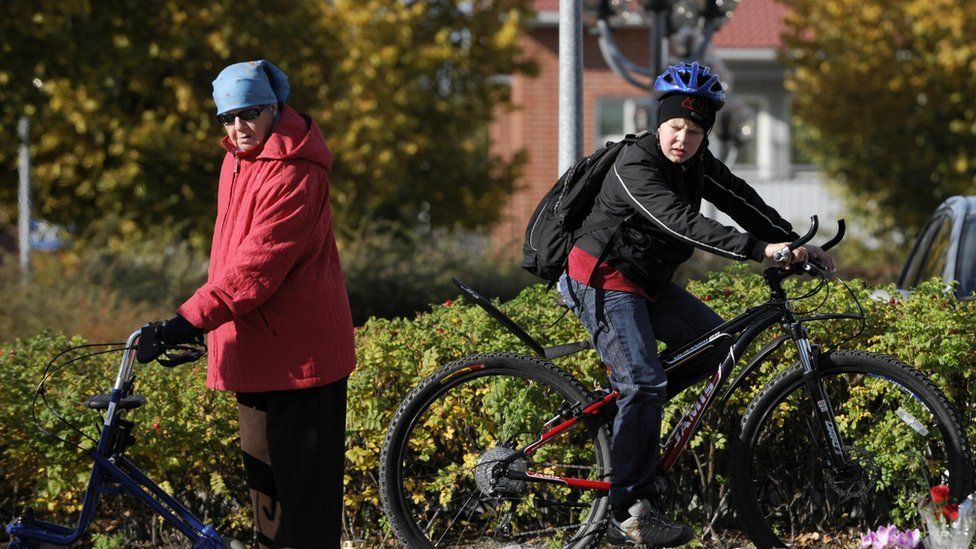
pixel 293 444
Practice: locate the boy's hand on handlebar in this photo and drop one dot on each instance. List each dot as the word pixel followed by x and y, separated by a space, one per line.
pixel 798 255
pixel 179 330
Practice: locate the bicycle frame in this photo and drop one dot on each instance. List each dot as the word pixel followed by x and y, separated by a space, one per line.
pixel 113 473
pixel 742 331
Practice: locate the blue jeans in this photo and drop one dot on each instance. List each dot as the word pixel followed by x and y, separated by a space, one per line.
pixel 625 328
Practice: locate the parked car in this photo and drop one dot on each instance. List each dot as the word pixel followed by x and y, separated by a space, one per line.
pixel 946 247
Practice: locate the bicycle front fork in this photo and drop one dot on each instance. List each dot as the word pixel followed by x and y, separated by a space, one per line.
pixel 835 453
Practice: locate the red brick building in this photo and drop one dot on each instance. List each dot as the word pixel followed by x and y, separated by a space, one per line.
pixel 748 47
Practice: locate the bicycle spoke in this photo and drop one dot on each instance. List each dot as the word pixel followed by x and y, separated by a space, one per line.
pixel 895 443
pixel 454 462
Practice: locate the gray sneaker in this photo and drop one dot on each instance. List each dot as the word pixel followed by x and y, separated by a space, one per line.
pixel 646 525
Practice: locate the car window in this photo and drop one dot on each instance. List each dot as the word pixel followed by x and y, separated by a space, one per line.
pixel 967 257
pixel 909 277
pixel 935 259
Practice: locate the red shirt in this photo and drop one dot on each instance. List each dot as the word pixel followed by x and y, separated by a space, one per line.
pixel 275 303
pixel 605 277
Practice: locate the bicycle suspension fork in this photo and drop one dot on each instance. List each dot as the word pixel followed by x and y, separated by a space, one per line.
pixel 835 454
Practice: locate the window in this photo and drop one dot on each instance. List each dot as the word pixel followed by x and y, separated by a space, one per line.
pixel 967 258
pixel 609 119
pixel 935 259
pixel 738 132
pixel 747 153
pixel 619 116
pixel 929 255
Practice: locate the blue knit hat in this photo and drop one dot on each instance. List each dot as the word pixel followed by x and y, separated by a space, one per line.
pixel 249 84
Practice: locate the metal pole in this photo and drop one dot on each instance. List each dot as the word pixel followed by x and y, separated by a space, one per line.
pixel 570 83
pixel 660 11
pixel 659 42
pixel 23 196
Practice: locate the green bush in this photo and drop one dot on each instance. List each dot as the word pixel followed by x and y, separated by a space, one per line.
pixel 188 435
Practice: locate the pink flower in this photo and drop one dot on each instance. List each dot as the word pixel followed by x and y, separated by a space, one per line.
pixel 890 537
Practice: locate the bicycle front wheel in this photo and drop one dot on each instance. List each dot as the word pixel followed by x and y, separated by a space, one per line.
pixel 440 476
pixel 901 433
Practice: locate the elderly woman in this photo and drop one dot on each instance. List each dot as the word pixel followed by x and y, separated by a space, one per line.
pixel 275 308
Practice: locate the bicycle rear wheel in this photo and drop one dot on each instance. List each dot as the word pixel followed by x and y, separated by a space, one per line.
pixel 438 482
pixel 900 431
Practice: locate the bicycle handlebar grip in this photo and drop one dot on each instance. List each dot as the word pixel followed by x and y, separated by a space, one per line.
pixel 814 226
pixel 782 255
pixel 841 229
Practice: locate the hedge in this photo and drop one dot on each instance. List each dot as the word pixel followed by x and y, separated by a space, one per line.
pixel 188 435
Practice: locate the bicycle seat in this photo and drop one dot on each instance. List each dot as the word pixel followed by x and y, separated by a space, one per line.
pixel 100 402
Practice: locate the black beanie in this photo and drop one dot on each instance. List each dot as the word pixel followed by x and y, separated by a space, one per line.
pixel 679 105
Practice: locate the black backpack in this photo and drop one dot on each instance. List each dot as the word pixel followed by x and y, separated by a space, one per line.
pixel 556 223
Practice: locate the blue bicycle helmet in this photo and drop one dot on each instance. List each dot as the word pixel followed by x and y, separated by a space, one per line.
pixel 690 79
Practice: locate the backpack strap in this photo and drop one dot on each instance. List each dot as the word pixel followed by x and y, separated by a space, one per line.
pixel 606 250
pixel 605 224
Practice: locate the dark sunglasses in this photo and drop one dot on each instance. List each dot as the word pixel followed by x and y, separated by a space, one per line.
pixel 227 119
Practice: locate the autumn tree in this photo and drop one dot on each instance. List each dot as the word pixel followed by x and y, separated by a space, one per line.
pixel 889 92
pixel 123 128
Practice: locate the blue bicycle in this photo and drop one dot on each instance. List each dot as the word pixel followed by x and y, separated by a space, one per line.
pixel 112 472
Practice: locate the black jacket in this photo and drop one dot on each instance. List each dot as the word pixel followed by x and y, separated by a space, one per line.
pixel 658 202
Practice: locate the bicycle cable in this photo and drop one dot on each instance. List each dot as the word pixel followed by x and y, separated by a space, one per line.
pixel 807 295
pixel 861 315
pixel 41 390
pixel 823 284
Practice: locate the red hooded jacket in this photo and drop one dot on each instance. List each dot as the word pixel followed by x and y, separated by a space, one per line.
pixel 275 303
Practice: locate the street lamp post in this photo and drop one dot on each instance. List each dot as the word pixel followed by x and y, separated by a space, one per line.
pixel 23 196
pixel 570 83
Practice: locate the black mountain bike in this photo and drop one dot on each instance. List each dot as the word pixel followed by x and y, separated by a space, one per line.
pixel 499 449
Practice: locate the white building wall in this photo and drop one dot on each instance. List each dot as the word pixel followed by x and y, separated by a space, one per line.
pixel 796 199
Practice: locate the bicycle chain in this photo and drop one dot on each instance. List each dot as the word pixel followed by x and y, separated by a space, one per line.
pixel 547 530
pixel 555 528
pixel 566 465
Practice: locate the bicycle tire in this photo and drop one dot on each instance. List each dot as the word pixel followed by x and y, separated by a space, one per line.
pixel 502 398
pixel 888 413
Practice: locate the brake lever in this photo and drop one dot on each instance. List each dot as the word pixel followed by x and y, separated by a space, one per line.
pixel 817 268
pixel 183 354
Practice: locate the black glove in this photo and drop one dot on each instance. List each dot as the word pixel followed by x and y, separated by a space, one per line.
pixel 179 330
